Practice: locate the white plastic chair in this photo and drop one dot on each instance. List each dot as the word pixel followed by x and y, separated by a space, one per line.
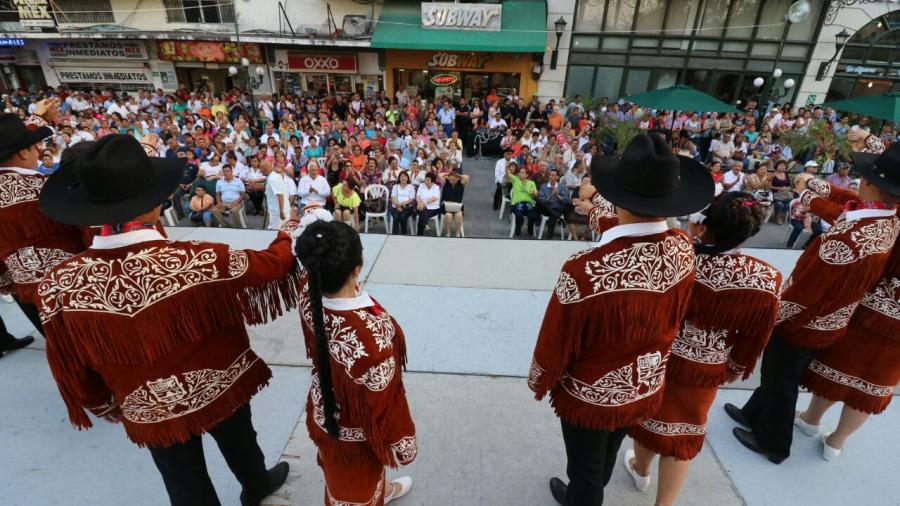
pixel 512 225
pixel 377 191
pixel 561 224
pixel 438 220
pixel 242 217
pixel 503 206
pixel 170 217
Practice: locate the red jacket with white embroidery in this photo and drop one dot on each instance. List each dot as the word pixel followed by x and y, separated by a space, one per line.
pixel 368 352
pixel 603 215
pixel 30 243
pixel 606 335
pixel 728 322
pixel 157 327
pixel 836 270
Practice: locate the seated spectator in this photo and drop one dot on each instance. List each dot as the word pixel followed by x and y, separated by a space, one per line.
pixel 313 187
pixel 452 202
pixel 552 201
pixel 722 148
pixel 47 166
pixel 733 180
pixel 841 177
pixel 200 210
pixel 255 183
pixel 759 184
pixel 781 192
pixel 403 203
pixel 428 202
pixel 230 193
pixel 577 215
pixel 390 176
pixel 346 203
pixel 522 198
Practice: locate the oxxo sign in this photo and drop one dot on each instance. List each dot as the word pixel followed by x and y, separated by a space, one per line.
pixel 457 16
pixel 321 63
pixel 459 60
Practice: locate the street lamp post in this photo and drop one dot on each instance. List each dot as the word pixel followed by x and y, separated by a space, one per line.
pixel 560 26
pixel 798 13
pixel 840 40
pixel 250 82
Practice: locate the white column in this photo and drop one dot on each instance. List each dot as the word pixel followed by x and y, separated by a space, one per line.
pixel 552 82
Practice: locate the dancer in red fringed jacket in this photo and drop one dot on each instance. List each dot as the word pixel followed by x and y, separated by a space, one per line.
pixel 151 332
pixel 829 282
pixel 357 414
pixel 599 355
pixel 728 322
pixel 861 369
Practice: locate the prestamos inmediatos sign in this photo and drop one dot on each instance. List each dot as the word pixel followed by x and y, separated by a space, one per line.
pixel 113 75
pixel 461 16
pixel 97 50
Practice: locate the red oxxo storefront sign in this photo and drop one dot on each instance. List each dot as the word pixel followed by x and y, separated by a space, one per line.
pixel 321 63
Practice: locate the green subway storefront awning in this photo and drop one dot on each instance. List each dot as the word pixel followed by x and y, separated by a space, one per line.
pixel 522 30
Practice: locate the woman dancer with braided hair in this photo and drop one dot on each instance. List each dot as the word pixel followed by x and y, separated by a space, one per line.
pixel 358 417
pixel 728 322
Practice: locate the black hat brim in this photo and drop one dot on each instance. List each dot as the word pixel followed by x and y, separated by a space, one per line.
pixel 33 137
pixel 64 200
pixel 695 189
pixel 865 164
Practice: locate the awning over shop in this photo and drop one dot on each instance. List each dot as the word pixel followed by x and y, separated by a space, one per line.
pixel 522 30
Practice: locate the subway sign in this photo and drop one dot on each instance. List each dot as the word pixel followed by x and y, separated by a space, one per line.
pixel 444 79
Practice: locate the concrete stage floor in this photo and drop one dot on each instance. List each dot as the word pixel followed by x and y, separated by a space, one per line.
pixel 471 309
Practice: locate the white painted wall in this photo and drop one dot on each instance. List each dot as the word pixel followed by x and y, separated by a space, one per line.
pixel 552 82
pixel 851 19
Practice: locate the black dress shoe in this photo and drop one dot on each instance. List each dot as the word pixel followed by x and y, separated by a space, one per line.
pixel 277 477
pixel 558 489
pixel 11 343
pixel 736 414
pixel 748 439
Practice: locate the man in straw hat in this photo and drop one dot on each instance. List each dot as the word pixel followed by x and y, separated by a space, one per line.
pixel 830 279
pixel 30 243
pixel 599 355
pixel 151 332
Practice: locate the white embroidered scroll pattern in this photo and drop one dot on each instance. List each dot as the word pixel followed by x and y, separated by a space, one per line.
pixel 670 429
pixel 787 310
pixel 238 261
pixel 833 321
pixel 16 188
pixel 381 326
pixel 344 345
pixel 884 298
pixel 644 266
pixel 535 373
pixel 850 381
pixel 30 264
pixel 567 289
pixel 625 385
pixel 405 450
pixel 701 345
pixel 348 434
pixel 179 395
pixel 379 376
pixel 735 272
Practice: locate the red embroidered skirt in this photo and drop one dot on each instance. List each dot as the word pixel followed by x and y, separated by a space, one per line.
pixel 678 428
pixel 360 483
pixel 861 370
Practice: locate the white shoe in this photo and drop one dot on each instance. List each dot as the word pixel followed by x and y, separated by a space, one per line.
pixel 806 427
pixel 829 453
pixel 405 483
pixel 640 482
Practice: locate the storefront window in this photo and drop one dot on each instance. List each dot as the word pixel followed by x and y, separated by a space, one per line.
pixel 608 81
pixel 742 18
pixel 726 86
pixel 666 78
pixel 638 81
pixel 714 18
pixel 579 81
pixel 620 15
pixel 806 30
pixel 317 84
pixel 590 15
pixel 650 15
pixel 771 19
pixel 680 20
pixel 342 83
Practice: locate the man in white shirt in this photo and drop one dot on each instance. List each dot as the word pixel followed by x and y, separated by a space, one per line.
pixel 497 123
pixel 230 193
pixel 428 202
pixel 722 149
pixel 733 180
pixel 402 97
pixel 500 176
pixel 266 108
pixel 313 187
pixel 270 132
pixel 276 197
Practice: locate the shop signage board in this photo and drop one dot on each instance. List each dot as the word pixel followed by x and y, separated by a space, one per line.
pixel 811 99
pixel 859 69
pixel 97 50
pixel 458 60
pixel 307 62
pixel 12 42
pixel 209 51
pixel 444 79
pixel 35 13
pixel 7 55
pixel 461 16
pixel 137 75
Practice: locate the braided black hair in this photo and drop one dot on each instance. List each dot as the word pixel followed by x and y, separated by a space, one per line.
pixel 329 251
pixel 731 219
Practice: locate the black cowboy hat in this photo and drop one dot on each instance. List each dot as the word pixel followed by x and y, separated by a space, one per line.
pixel 651 180
pixel 16 136
pixel 881 170
pixel 112 182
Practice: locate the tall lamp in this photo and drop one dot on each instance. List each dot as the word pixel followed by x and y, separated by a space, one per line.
pixel 840 40
pixel 560 26
pixel 251 82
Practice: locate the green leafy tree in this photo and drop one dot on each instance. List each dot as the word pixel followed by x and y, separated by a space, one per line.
pixel 818 137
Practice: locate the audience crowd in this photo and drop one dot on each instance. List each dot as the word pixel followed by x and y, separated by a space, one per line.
pixel 401 158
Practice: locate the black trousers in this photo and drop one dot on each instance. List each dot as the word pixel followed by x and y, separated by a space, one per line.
pixel 31 311
pixel 770 410
pixel 183 466
pixel 401 219
pixel 553 215
pixel 498 196
pixel 592 458
pixel 5 336
pixel 424 216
